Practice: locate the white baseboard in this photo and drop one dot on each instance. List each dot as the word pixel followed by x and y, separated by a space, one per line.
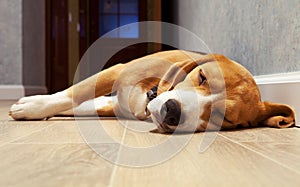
pixel 282 78
pixel 281 88
pixel 13 92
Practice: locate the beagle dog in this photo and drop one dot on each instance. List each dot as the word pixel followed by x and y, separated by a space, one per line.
pixel 179 90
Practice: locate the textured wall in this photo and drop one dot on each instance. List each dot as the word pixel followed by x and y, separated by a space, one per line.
pixel 263 35
pixel 10 42
pixel 22 42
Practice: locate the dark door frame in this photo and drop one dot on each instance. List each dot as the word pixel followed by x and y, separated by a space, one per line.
pixel 57 36
pixel 56 45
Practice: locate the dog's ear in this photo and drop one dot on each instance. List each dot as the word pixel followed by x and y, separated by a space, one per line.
pixel 277 115
pixel 175 74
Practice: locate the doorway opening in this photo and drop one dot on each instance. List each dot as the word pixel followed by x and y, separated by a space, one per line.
pixel 72 26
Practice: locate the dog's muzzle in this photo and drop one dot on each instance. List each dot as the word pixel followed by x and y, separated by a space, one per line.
pixel 166 114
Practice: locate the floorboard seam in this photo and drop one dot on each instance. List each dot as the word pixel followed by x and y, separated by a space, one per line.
pixel 261 154
pixel 20 137
pixel 114 171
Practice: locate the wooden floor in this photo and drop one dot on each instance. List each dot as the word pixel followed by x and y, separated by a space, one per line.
pixel 53 153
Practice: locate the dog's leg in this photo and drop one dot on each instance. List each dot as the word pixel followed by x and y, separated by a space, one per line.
pixel 105 106
pixel 95 86
pixel 43 106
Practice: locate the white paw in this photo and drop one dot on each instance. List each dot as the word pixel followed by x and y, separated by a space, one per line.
pixel 40 106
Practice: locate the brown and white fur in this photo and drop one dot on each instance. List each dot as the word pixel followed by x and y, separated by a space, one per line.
pixel 195 93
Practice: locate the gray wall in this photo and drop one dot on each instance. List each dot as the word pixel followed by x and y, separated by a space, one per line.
pixel 22 43
pixel 263 35
pixel 10 42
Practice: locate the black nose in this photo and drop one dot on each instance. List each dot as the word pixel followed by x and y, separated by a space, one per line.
pixel 171 112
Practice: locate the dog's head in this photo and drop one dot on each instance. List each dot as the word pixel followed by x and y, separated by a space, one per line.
pixel 213 92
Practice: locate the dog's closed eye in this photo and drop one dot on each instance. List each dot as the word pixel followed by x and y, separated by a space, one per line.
pixel 202 77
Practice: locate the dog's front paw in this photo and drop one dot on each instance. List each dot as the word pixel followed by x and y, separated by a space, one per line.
pixel 39 107
pixel 29 108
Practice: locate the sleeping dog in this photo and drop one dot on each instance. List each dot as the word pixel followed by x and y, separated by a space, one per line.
pixel 178 90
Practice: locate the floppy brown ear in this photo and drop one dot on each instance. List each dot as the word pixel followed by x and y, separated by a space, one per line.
pixel 277 115
pixel 176 73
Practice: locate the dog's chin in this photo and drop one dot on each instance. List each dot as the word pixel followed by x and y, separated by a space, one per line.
pixel 177 130
pixel 167 129
pixel 163 128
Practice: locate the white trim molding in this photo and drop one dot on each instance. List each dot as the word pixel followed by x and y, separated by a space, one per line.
pixel 13 92
pixel 281 88
pixel 293 77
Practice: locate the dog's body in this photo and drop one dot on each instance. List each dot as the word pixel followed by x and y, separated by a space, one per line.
pixel 195 93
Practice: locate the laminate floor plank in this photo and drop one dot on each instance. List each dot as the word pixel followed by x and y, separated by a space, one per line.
pixel 224 164
pixel 286 154
pixel 52 165
pixel 264 134
pixel 59 132
pixel 280 145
